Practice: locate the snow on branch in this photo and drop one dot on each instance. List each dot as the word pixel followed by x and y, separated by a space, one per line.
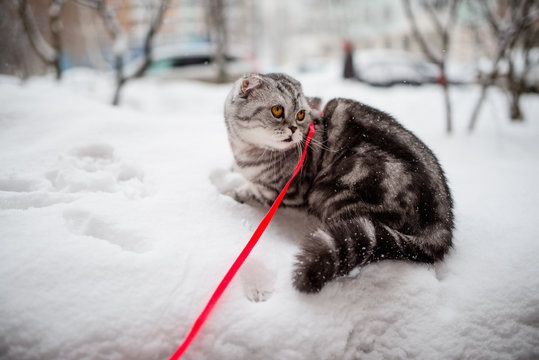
pixel 49 53
pixel 119 37
pixel 434 17
pixel 518 23
pixel 438 57
pixel 153 28
pixel 423 44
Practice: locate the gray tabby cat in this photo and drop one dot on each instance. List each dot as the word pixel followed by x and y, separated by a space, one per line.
pixel 377 190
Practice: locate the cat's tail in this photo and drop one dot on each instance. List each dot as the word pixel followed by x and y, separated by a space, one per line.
pixel 341 246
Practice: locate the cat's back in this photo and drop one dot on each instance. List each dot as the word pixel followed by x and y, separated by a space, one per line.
pixel 371 160
pixel 355 127
pixel 357 123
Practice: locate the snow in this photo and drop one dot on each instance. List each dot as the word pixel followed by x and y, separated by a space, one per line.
pixel 114 234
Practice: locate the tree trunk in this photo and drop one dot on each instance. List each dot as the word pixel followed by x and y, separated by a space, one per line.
pixel 111 24
pixel 515 112
pixel 120 78
pixel 349 71
pixel 56 28
pixel 50 54
pixel 448 112
pixel 438 58
pixel 219 37
pixel 477 108
pixel 515 90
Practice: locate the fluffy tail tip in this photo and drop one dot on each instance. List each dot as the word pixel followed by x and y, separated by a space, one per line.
pixel 316 263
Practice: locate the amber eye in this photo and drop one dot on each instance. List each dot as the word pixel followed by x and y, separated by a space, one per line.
pixel 301 115
pixel 277 111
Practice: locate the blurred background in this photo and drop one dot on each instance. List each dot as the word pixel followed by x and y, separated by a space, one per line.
pixel 378 42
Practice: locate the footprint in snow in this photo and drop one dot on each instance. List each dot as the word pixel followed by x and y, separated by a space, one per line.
pixel 90 168
pixel 15 184
pixel 81 222
pixel 257 280
pixel 95 168
pixel 25 193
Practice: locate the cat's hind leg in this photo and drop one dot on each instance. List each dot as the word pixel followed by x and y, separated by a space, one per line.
pixel 340 246
pixel 333 251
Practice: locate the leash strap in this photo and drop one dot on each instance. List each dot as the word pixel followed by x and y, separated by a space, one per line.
pixel 241 258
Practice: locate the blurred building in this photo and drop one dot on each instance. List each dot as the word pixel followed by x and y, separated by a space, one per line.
pixel 273 32
pixel 313 28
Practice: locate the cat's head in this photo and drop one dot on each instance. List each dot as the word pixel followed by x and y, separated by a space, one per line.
pixel 268 111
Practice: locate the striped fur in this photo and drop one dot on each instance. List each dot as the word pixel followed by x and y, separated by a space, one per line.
pixel 378 191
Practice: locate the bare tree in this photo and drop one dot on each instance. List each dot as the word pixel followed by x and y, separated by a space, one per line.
pixel 218 34
pixel 49 53
pixel 518 22
pixel 437 56
pixel 519 84
pixel 119 37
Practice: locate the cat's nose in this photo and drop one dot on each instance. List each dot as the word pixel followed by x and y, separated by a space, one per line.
pixel 293 128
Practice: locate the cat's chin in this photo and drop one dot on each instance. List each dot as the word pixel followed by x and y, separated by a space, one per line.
pixel 286 144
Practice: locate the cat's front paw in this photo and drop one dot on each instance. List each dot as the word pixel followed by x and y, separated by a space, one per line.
pixel 233 184
pixel 227 181
pixel 246 193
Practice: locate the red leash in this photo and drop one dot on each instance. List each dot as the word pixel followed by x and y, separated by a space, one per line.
pixel 241 258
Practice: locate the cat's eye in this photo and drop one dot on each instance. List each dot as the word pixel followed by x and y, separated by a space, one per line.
pixel 301 115
pixel 277 111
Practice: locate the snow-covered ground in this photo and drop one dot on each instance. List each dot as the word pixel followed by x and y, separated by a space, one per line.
pixel 113 235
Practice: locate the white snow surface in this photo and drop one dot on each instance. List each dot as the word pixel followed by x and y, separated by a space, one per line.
pixel 114 234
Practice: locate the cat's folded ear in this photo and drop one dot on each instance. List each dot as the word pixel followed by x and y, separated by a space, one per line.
pixel 248 84
pixel 314 102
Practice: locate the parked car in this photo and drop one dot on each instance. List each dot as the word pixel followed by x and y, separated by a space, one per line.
pixel 191 60
pixel 388 68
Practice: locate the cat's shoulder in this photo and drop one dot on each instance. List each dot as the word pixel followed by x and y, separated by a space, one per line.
pixel 340 111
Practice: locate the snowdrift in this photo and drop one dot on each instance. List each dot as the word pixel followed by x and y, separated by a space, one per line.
pixel 113 234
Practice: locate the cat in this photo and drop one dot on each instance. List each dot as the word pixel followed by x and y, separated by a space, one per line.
pixel 378 191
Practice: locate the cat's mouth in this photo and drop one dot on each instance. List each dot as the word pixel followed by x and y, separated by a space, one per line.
pixel 287 142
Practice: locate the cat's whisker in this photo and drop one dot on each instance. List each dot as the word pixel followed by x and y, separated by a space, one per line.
pixel 319 144
pixel 299 149
pixel 262 155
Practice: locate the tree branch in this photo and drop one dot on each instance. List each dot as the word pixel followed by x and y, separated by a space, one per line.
pixel 56 27
pixel 452 15
pixel 429 53
pixel 155 24
pixel 45 51
pixel 108 17
pixel 432 15
pixel 438 59
pixel 119 38
pixel 88 3
pixel 490 17
pixel 517 22
pixel 50 54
